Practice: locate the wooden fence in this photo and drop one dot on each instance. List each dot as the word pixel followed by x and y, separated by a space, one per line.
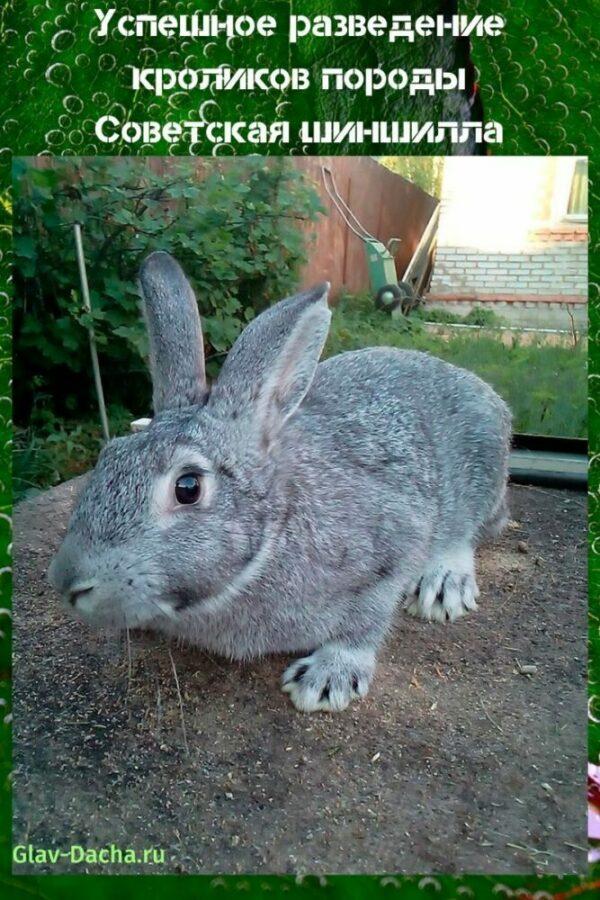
pixel 385 203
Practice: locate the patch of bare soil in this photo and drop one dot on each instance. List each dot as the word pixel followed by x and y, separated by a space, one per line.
pixel 458 760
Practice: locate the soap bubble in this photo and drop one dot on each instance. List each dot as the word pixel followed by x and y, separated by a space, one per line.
pixel 55 137
pixel 73 104
pixel 106 62
pixel 62 40
pixel 58 74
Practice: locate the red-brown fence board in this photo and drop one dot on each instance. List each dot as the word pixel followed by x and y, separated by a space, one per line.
pixel 385 203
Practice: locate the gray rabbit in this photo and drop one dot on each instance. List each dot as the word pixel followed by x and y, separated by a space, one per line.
pixel 295 505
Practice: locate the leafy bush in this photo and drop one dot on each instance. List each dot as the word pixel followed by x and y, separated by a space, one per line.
pixel 236 227
pixel 424 171
pixel 479 315
pixel 51 450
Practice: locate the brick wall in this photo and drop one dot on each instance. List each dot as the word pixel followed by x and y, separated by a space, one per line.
pixel 505 239
pixel 552 266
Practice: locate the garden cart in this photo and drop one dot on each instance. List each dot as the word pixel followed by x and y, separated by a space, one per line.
pixel 388 292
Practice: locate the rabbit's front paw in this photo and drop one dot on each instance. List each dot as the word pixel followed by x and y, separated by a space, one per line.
pixel 330 678
pixel 447 589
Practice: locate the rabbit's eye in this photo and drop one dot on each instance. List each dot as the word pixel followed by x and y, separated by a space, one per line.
pixel 188 488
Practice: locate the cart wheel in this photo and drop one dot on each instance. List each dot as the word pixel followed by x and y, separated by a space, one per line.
pixel 389 297
pixel 410 300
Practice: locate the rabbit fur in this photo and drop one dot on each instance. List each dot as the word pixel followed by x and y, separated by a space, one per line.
pixel 332 494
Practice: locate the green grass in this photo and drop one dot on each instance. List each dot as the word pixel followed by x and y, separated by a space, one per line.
pixel 544 386
pixel 52 450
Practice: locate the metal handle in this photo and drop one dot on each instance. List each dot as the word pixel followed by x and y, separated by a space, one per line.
pixel 342 207
pixel 85 293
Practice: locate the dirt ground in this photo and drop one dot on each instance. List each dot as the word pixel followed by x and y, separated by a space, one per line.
pixel 457 760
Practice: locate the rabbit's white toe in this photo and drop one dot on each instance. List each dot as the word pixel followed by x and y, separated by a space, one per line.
pixel 330 678
pixel 447 589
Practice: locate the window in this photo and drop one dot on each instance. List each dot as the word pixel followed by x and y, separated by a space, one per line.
pixel 577 205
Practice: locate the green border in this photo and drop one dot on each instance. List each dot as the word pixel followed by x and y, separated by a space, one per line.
pixel 541 81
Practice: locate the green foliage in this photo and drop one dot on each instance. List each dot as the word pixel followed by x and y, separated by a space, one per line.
pixel 426 172
pixel 236 227
pixel 545 386
pixel 479 315
pixel 51 450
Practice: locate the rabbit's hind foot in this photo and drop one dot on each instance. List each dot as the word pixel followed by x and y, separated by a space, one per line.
pixel 330 678
pixel 448 589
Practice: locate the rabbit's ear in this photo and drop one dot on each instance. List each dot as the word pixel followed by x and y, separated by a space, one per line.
pixel 272 364
pixel 176 346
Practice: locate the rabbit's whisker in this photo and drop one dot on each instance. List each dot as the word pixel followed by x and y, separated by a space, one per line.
pixel 129 660
pixel 180 701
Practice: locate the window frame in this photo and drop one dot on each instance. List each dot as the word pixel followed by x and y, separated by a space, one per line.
pixel 563 182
